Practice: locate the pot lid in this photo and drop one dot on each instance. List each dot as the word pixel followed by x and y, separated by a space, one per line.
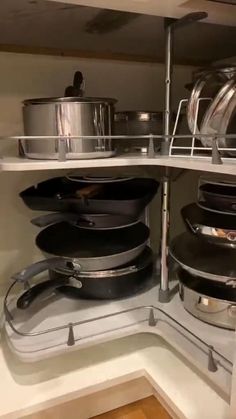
pixel 203 259
pixel 78 99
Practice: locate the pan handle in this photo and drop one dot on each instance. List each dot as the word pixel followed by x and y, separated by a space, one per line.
pixel 48 219
pixel 233 207
pixel 36 268
pixel 28 297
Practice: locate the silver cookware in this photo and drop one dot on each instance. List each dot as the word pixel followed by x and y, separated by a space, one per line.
pixel 211 303
pixel 199 258
pixel 217 77
pixel 137 123
pixel 68 117
pixel 215 228
pixel 218 117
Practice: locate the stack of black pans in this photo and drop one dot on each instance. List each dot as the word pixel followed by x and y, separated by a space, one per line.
pixel 206 255
pixel 95 245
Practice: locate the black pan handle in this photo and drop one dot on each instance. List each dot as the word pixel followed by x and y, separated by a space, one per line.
pixel 48 219
pixel 26 299
pixel 78 80
pixel 37 268
pixel 233 207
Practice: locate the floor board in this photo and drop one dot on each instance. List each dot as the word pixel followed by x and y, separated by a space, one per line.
pixel 148 408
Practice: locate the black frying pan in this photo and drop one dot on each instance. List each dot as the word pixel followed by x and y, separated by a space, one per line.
pixel 128 197
pixel 204 259
pixel 92 250
pixel 218 197
pixel 211 226
pixel 87 221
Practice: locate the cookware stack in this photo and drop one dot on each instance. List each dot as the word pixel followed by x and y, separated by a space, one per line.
pixel 206 254
pixel 95 245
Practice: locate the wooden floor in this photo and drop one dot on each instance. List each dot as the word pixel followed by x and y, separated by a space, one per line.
pixel 148 408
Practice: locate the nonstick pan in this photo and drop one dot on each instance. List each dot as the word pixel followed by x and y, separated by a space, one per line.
pixel 218 197
pixel 88 221
pixel 61 194
pixel 109 284
pixel 90 250
pixel 213 227
pixel 205 260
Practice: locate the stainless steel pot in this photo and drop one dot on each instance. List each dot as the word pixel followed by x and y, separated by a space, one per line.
pixel 68 116
pixel 218 309
pixel 137 123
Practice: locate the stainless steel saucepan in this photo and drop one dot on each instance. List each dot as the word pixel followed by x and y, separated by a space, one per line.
pixel 67 117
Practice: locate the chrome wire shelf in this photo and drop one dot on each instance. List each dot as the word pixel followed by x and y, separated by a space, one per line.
pixel 184 146
pixel 149 314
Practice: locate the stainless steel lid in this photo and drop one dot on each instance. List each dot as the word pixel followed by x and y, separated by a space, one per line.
pixel 78 99
pixel 141 116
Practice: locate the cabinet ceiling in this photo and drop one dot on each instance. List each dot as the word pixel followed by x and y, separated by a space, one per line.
pixel 65 29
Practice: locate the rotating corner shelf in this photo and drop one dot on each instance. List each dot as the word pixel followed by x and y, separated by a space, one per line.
pixel 63 325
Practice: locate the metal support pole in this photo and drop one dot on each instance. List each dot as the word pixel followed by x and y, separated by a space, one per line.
pixel 164 285
pixel 170 26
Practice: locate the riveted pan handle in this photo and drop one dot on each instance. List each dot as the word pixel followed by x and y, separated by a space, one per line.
pixel 36 268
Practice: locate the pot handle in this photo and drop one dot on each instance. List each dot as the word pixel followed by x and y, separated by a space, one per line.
pixel 28 297
pixel 36 268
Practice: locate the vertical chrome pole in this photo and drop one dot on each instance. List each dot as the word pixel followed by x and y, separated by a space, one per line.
pixel 170 26
pixel 165 209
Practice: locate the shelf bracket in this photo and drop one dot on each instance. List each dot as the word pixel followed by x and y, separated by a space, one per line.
pixel 212 364
pixel 71 336
pixel 152 321
pixel 216 158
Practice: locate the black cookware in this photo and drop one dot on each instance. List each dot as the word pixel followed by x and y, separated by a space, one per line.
pixel 205 260
pixel 88 221
pixel 207 287
pixel 213 227
pixel 128 197
pixel 109 284
pixel 218 197
pixel 92 250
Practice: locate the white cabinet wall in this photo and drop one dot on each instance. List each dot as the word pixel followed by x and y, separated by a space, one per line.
pixel 135 85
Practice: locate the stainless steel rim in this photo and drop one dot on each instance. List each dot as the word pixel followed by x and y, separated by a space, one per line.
pixel 45 101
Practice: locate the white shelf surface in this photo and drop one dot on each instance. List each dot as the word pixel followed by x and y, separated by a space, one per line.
pixel 63 311
pixel 37 386
pixel 16 164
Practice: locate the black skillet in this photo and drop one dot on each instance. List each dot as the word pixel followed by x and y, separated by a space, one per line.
pixel 218 197
pixel 128 197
